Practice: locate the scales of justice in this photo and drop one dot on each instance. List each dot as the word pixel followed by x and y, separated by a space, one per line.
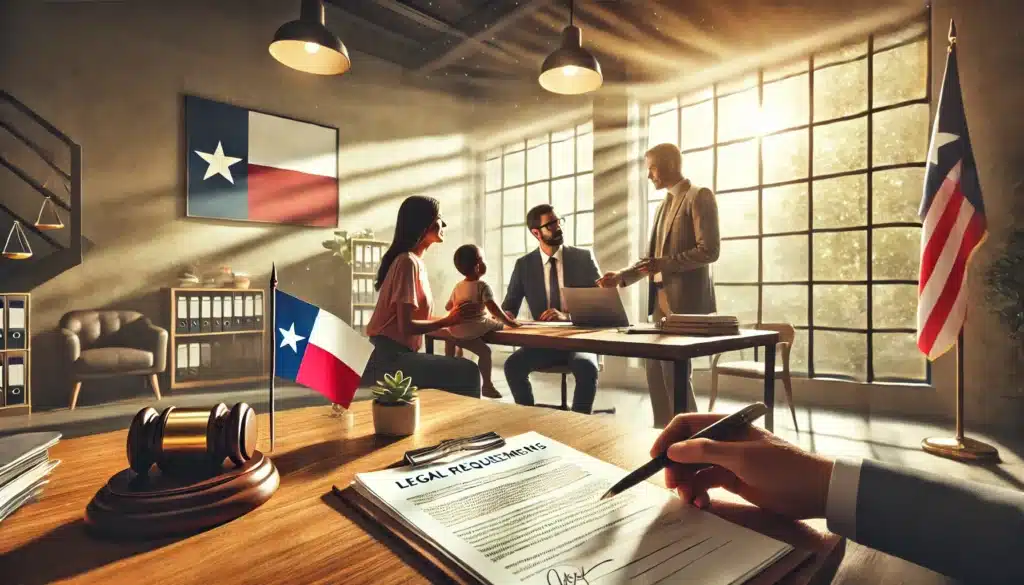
pixel 17 246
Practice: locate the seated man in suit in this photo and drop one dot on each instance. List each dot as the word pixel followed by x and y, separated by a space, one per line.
pixel 539 277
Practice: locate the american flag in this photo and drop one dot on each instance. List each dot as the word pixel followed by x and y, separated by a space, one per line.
pixel 954 220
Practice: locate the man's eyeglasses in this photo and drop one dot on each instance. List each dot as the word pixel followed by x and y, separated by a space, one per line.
pixel 551 225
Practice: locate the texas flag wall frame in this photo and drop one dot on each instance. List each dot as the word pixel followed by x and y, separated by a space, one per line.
pixel 252 166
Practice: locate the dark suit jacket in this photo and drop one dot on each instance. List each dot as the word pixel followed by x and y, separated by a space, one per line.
pixel 579 270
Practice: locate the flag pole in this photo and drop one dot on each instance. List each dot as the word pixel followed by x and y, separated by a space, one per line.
pixel 273 346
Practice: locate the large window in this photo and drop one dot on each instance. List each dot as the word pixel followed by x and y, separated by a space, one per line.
pixel 818 167
pixel 555 168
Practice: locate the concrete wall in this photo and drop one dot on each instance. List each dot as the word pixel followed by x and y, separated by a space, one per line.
pixel 112 76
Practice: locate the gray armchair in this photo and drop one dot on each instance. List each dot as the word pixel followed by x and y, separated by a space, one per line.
pixel 103 344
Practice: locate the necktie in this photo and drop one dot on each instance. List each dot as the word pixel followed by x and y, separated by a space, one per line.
pixel 555 300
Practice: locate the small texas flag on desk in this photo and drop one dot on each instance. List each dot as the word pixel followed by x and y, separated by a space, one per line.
pixel 318 350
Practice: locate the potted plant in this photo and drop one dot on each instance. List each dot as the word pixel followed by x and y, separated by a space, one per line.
pixel 396 406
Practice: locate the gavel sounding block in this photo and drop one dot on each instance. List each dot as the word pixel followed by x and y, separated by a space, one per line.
pixel 160 505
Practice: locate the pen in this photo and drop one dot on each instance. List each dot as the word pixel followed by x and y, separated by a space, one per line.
pixel 721 430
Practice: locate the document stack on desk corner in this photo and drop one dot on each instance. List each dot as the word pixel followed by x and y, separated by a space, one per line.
pixel 714 324
pixel 530 512
pixel 25 466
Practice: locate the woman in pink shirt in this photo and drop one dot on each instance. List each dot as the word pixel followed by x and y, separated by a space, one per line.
pixel 403 312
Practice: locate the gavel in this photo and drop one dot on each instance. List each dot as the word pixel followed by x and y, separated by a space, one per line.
pixel 185 439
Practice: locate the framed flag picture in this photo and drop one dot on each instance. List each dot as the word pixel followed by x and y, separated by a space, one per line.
pixel 246 165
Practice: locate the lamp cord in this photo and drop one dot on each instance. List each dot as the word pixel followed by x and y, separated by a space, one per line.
pixel 572 3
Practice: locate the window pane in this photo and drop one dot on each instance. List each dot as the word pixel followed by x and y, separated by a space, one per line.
pixel 664 106
pixel 894 306
pixel 840 90
pixel 585 192
pixel 537 163
pixel 585 153
pixel 841 146
pixel 840 256
pixel 513 240
pixel 900 74
pixel 514 206
pixel 785 258
pixel 894 37
pixel 739 301
pixel 896 195
pixel 738 115
pixel 663 128
pixel 896 253
pixel 563 192
pixel 900 135
pixel 493 175
pixel 699 167
pixel 738 83
pixel 785 156
pixel 697 96
pixel 585 127
pixel 515 169
pixel 584 228
pixel 840 353
pixel 514 147
pixel 569 228
pixel 492 248
pixel 841 202
pixel 785 208
pixel 652 212
pixel 896 356
pixel 844 53
pixel 785 103
pixel 843 305
pixel 536 194
pixel 698 125
pixel 737 165
pixel 784 303
pixel 797 353
pixel 786 70
pixel 493 204
pixel 508 263
pixel 737 213
pixel 562 155
pixel 737 261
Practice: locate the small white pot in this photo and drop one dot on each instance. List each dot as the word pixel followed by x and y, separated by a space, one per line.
pixel 396 420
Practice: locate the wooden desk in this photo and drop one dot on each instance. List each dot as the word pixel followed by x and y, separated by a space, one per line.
pixel 671 348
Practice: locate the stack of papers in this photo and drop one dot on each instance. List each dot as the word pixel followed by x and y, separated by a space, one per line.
pixel 25 466
pixel 531 512
pixel 714 324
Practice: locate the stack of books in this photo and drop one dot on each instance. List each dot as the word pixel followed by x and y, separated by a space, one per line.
pixel 714 324
pixel 25 467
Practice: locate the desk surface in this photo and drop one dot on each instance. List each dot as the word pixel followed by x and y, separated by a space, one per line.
pixel 304 534
pixel 612 342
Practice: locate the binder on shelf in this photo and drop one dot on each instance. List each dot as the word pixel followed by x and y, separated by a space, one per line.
pixel 3 338
pixel 193 361
pixel 228 322
pixel 16 335
pixel 205 361
pixel 15 393
pixel 3 381
pixel 181 363
pixel 259 311
pixel 249 311
pixel 359 265
pixel 239 311
pixel 376 258
pixel 193 314
pixel 217 313
pixel 205 315
pixel 181 315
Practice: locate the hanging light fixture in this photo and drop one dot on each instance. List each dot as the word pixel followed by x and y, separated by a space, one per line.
pixel 571 69
pixel 306 44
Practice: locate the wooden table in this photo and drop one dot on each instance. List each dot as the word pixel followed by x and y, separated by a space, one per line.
pixel 305 534
pixel 671 348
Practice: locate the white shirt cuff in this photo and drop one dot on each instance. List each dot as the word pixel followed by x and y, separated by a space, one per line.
pixel 841 505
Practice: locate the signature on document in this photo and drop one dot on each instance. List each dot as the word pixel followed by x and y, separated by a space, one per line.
pixel 564 575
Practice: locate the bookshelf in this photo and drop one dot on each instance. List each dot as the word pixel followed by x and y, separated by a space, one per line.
pixel 365 257
pixel 15 353
pixel 217 337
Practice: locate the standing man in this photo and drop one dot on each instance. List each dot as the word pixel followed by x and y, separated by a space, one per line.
pixel 539 278
pixel 684 242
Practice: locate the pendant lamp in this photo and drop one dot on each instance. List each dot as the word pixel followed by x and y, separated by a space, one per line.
pixel 571 69
pixel 306 44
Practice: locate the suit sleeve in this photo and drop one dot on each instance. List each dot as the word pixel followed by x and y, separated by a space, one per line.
pixel 706 235
pixel 966 530
pixel 515 293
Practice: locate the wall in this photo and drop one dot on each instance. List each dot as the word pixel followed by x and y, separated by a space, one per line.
pixel 112 75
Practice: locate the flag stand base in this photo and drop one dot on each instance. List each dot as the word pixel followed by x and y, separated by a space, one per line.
pixel 962 449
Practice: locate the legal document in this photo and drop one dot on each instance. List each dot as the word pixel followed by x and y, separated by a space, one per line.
pixel 531 512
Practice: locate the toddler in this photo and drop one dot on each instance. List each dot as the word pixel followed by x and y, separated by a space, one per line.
pixel 469 260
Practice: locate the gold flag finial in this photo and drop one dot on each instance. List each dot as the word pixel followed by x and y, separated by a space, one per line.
pixel 952 32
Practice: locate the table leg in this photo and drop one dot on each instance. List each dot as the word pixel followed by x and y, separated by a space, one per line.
pixel 681 392
pixel 769 386
pixel 430 344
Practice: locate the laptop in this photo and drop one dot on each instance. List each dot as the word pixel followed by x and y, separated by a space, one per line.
pixel 601 307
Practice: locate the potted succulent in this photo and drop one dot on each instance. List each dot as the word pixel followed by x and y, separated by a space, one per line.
pixel 396 406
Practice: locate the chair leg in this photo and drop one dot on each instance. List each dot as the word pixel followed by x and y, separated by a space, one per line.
pixel 74 394
pixel 714 390
pixel 788 383
pixel 155 382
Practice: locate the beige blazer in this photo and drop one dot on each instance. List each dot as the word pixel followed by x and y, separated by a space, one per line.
pixel 691 244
